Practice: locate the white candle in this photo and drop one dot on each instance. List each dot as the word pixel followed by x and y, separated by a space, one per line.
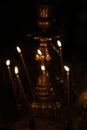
pixel 68 86
pixel 21 86
pixel 61 58
pixel 11 78
pixel 10 74
pixel 25 67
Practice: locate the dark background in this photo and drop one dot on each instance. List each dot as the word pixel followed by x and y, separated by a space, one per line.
pixel 17 18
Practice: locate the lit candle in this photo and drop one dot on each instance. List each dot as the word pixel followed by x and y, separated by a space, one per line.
pixel 43 68
pixel 25 67
pixel 21 86
pixel 39 52
pixel 9 70
pixel 68 86
pixel 41 56
pixel 59 43
pixel 45 81
pixel 18 78
pixel 61 58
pixel 11 78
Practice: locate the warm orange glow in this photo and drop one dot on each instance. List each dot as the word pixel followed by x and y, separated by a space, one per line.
pixel 82 99
pixel 45 24
pixel 16 70
pixel 44 12
pixel 59 43
pixel 66 68
pixel 18 49
pixel 7 62
pixel 39 52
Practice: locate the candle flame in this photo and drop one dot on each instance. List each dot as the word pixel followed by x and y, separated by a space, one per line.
pixel 18 49
pixel 42 67
pixel 16 70
pixel 59 43
pixel 39 52
pixel 66 68
pixel 7 62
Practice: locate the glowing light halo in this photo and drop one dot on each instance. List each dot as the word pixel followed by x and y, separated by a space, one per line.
pixel 16 70
pixel 66 68
pixel 59 43
pixel 8 62
pixel 39 52
pixel 42 67
pixel 18 49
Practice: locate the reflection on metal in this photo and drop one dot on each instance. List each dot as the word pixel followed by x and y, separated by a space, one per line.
pixel 44 39
pixel 82 99
pixel 45 13
pixel 45 10
pixel 41 39
pixel 45 53
pixel 43 91
pixel 43 24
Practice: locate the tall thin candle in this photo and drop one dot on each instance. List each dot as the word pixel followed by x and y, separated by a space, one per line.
pixel 25 67
pixel 61 58
pixel 11 78
pixel 21 86
pixel 68 86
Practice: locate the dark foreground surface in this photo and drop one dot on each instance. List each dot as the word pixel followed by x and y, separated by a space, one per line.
pixel 59 119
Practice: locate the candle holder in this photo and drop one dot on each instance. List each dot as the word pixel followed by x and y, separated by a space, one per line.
pixel 46 79
pixel 43 91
